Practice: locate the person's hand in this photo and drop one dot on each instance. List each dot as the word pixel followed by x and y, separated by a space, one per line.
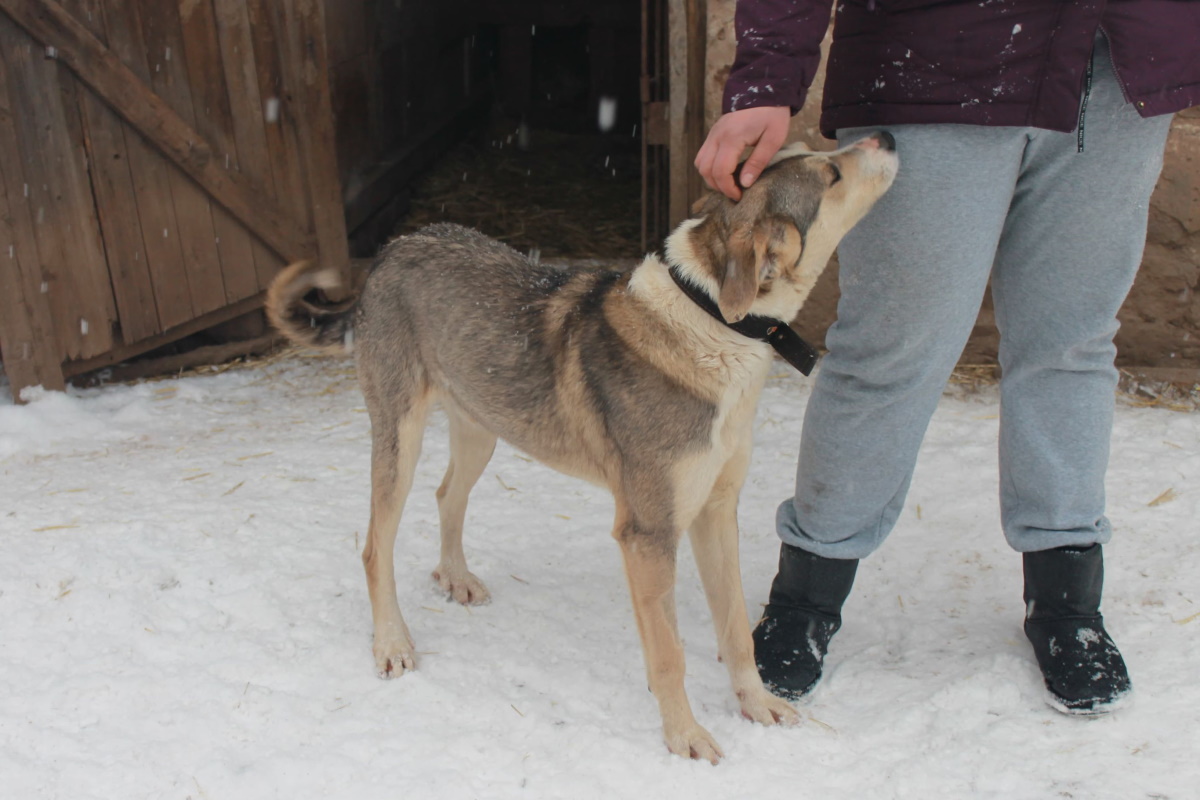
pixel 764 128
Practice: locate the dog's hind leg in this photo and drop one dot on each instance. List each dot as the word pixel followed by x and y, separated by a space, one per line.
pixel 395 447
pixel 648 550
pixel 471 447
pixel 714 536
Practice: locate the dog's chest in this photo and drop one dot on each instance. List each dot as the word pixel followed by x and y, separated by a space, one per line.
pixel 736 406
pixel 732 426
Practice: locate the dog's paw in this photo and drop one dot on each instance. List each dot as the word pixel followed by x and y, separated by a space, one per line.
pixel 394 656
pixel 694 742
pixel 765 708
pixel 460 584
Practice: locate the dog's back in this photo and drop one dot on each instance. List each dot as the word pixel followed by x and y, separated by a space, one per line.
pixel 525 350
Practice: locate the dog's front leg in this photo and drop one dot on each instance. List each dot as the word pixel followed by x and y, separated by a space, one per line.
pixel 649 557
pixel 714 535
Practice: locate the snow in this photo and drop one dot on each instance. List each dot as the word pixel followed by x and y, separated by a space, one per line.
pixel 183 615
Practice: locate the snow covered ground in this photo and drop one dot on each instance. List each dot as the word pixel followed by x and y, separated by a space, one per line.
pixel 183 615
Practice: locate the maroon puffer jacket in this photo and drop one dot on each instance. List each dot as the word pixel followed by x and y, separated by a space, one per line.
pixel 981 62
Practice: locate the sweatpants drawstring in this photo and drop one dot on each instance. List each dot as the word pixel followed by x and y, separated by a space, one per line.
pixel 1087 91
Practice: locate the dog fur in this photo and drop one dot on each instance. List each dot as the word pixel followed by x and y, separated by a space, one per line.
pixel 615 377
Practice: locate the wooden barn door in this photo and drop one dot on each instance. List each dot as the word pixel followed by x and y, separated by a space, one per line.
pixel 159 161
pixel 656 195
pixel 674 38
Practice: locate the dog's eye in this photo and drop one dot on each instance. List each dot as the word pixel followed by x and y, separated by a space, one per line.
pixel 837 174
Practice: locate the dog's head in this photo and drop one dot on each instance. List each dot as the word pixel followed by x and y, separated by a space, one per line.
pixel 765 252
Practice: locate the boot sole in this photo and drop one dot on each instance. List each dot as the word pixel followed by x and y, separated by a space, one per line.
pixel 802 698
pixel 1118 703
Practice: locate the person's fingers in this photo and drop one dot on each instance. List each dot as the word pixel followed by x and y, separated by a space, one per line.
pixel 724 163
pixel 769 142
pixel 764 129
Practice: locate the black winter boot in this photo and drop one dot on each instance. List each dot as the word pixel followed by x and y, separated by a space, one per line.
pixel 804 612
pixel 1084 671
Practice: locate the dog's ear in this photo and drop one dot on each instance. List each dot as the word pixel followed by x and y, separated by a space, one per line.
pixel 755 256
pixel 746 257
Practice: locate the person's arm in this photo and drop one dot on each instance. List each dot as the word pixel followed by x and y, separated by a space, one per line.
pixel 778 52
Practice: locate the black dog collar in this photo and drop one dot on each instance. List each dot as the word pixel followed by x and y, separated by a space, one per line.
pixel 794 350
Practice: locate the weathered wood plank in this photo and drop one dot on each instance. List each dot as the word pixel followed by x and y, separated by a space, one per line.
pixel 59 201
pixel 120 221
pixel 193 212
pixel 151 173
pixel 214 120
pixel 246 110
pixel 687 39
pixel 89 264
pixel 39 160
pixel 30 342
pixel 119 86
pixel 116 202
pixel 280 118
pixel 24 358
pixel 318 145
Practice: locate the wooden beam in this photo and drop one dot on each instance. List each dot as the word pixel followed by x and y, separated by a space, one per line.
pixel 687 41
pixel 201 356
pixel 119 354
pixel 47 22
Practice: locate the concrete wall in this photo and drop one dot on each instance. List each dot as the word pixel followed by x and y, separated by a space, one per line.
pixel 1160 321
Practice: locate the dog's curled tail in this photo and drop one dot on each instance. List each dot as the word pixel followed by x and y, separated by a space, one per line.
pixel 295 310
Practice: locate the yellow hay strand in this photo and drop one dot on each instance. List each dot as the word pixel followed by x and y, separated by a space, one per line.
pixel 1165 497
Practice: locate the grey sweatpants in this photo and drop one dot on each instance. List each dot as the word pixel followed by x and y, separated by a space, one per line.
pixel 1061 234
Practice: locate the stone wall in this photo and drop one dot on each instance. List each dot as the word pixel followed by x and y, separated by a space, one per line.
pixel 1160 321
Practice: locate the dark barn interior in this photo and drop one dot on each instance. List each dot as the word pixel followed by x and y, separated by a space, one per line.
pixel 520 118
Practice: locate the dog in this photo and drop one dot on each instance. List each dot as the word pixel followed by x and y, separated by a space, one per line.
pixel 617 377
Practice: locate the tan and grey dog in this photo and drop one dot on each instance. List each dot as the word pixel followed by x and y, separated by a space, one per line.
pixel 616 377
